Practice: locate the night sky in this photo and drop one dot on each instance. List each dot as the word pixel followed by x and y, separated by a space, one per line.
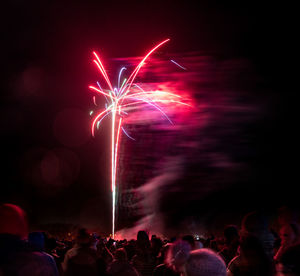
pixel 239 56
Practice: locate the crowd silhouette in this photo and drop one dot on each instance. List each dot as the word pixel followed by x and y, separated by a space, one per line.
pixel 253 250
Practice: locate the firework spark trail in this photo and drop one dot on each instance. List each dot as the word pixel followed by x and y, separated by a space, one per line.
pixel 125 132
pixel 122 99
pixel 178 64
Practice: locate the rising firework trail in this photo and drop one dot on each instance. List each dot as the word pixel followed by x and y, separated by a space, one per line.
pixel 121 100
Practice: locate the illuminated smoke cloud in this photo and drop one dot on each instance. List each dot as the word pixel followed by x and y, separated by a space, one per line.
pixel 150 195
pixel 212 137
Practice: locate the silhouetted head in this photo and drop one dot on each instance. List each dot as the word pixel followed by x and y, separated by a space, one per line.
pixel 257 224
pixel 143 239
pixel 37 240
pixel 177 255
pixel 50 244
pixel 13 221
pixel 83 237
pixel 254 223
pixel 190 240
pixel 142 236
pixel 120 254
pixel 204 262
pixel 156 244
pixel 289 233
pixel 231 233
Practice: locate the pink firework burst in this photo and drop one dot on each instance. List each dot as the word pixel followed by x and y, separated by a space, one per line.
pixel 122 99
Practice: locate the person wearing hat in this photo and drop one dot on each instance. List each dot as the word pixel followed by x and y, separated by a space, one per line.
pixel 16 256
pixel 82 259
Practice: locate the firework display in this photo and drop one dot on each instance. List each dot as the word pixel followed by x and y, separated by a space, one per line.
pixel 126 97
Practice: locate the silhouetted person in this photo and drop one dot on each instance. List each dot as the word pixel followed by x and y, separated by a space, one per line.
pixel 256 247
pixel 200 262
pixel 252 259
pixel 156 245
pixel 231 237
pixel 130 249
pixel 120 265
pixel 163 269
pixel 16 256
pixel 257 224
pixel 289 262
pixel 144 260
pixel 177 255
pixel 37 241
pixel 289 235
pixel 82 260
pixel 103 251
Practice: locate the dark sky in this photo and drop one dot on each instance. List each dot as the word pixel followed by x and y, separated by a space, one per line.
pixel 46 68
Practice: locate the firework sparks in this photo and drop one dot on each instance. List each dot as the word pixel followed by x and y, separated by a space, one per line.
pixel 126 97
pixel 180 66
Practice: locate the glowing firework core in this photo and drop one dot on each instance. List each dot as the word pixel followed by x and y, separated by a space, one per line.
pixel 124 98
